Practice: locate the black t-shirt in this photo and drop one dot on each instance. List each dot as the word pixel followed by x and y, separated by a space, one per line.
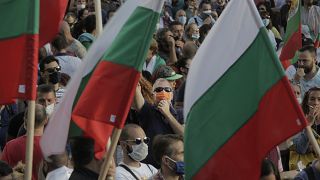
pixel 154 123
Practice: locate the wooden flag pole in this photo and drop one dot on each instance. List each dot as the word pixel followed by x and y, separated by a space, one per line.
pixel 30 138
pixel 313 141
pixel 97 7
pixel 106 164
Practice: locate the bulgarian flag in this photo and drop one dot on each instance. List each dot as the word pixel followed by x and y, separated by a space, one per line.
pixel 51 14
pixel 19 38
pixel 238 105
pixel 293 38
pixel 99 96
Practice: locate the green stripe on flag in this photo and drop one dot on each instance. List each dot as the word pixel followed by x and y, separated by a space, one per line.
pixel 18 17
pixel 252 75
pixel 128 48
pixel 293 25
pixel 125 50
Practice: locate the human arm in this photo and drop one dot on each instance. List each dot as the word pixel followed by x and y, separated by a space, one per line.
pixel 164 108
pixel 172 51
pixel 138 100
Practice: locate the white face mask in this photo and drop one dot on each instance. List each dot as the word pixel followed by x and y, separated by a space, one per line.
pixel 208 12
pixel 195 36
pixel 139 152
pixel 299 100
pixel 81 6
pixel 266 22
pixel 182 19
pixel 49 109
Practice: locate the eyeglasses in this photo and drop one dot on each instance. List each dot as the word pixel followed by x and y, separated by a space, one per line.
pixel 54 69
pixel 138 141
pixel 160 89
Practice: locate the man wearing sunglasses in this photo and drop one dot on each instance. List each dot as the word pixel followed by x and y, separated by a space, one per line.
pixel 134 144
pixel 50 74
pixel 160 117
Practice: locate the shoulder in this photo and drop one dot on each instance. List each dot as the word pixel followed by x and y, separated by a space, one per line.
pixel 121 173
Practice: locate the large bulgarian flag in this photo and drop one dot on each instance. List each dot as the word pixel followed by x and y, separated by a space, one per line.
pixel 99 96
pixel 238 104
pixel 293 38
pixel 19 38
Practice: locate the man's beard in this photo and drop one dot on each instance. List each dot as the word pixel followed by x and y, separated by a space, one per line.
pixel 307 70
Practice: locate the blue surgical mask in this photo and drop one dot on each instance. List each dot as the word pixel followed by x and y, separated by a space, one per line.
pixel 182 19
pixel 178 167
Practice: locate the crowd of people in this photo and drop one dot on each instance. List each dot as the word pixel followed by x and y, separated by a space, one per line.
pixel 151 143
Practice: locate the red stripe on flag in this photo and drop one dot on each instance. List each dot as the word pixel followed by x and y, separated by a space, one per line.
pixel 19 67
pixel 51 13
pixel 293 44
pixel 106 99
pixel 275 121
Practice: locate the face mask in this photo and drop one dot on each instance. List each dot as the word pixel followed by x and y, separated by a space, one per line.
pixel 81 6
pixel 266 22
pixel 299 100
pixel 49 109
pixel 54 77
pixel 178 166
pixel 139 152
pixel 182 19
pixel 162 96
pixel 195 36
pixel 208 12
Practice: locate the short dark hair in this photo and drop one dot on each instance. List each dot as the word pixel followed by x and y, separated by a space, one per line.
pixel 161 34
pixel 80 13
pixel 204 2
pixel 47 60
pixel 5 169
pixel 82 150
pixel 59 42
pixel 46 88
pixel 267 168
pixel 174 23
pixel 90 23
pixel 161 146
pixel 308 48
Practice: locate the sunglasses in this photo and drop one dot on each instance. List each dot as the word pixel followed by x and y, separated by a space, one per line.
pixel 160 89
pixel 138 141
pixel 52 70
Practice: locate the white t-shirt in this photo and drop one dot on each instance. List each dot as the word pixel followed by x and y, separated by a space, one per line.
pixel 69 64
pixel 62 173
pixel 143 172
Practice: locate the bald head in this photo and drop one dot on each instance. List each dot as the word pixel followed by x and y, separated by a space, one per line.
pixel 132 131
pixel 65 28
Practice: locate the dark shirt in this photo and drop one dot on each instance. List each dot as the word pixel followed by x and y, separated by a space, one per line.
pixel 154 123
pixel 83 174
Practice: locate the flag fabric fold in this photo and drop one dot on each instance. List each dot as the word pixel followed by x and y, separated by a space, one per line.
pixel 99 96
pixel 238 104
pixel 19 38
pixel 293 37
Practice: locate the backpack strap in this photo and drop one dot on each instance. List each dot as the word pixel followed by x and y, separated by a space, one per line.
pixel 310 173
pixel 149 168
pixel 129 170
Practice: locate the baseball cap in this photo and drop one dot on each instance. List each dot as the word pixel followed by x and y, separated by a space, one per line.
pixel 167 73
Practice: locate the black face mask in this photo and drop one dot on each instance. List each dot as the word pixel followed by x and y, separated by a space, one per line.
pixel 55 77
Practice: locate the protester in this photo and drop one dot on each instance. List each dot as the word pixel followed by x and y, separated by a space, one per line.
pixel 204 16
pixel 134 144
pixel 15 150
pixel 158 118
pixel 168 152
pixel 86 166
pixel 89 36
